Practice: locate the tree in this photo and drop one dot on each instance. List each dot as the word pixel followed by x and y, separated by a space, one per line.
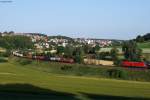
pixel 16 42
pixel 68 52
pixel 60 50
pixel 96 48
pixel 139 38
pixel 0 34
pixel 131 51
pixel 146 37
pixel 86 48
pixel 5 32
pixel 11 32
pixel 114 54
pixel 79 55
pixel 143 38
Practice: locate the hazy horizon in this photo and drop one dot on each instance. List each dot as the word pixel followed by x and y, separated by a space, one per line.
pixel 104 19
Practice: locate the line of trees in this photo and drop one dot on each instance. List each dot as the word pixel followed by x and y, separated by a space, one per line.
pixel 143 38
pixel 16 42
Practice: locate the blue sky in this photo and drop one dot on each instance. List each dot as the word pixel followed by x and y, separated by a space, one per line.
pixel 117 19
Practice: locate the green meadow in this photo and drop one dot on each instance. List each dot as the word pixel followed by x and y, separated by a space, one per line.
pixel 25 82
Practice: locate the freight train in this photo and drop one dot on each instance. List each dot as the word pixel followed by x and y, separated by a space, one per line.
pixel 125 64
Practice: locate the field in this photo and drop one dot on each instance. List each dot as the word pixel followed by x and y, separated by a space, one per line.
pixel 27 83
pixel 144 45
pixel 145 50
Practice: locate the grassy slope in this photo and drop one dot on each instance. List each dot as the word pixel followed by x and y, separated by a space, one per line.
pixel 12 74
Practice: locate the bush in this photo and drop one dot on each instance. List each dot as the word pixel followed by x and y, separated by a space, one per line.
pixel 117 62
pixel 66 67
pixel 25 61
pixel 117 73
pixel 3 60
pixel 78 59
pixel 5 54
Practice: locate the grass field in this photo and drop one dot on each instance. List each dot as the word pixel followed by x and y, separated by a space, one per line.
pixel 25 83
pixel 144 45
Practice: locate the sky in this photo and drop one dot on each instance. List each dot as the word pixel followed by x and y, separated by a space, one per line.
pixel 109 19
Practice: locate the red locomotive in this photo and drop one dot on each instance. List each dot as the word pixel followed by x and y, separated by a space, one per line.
pixel 132 64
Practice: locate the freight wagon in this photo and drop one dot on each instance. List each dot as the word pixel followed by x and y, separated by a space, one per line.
pixel 67 60
pixel 62 59
pixel 55 59
pixel 15 53
pixel 38 57
pixel 98 62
